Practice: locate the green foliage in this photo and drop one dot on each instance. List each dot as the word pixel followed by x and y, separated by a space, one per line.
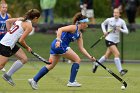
pixel 102 8
pixel 63 8
pixel 18 7
pixel 67 8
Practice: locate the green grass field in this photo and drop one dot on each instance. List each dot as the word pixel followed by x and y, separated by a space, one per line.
pixel 55 81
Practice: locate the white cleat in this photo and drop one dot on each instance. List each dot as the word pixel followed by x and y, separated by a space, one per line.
pixel 74 84
pixel 33 84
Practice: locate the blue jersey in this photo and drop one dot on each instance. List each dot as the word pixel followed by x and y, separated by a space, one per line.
pixel 3 25
pixel 66 38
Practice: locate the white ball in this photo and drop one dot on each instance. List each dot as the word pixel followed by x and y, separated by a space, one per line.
pixel 122 87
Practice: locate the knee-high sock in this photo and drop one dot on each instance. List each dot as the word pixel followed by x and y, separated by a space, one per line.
pixel 74 70
pixel 16 66
pixel 41 73
pixel 118 64
pixel 101 60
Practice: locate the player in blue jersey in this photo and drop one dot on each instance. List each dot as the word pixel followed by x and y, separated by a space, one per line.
pixel 60 47
pixel 3 17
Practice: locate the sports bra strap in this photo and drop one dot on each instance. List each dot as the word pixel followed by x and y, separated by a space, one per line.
pixel 76 28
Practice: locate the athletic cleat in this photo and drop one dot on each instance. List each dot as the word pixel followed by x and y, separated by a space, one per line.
pixel 94 69
pixel 123 72
pixel 33 84
pixel 74 84
pixel 8 79
pixel 3 70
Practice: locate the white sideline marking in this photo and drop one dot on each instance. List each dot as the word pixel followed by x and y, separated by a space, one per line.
pixel 105 77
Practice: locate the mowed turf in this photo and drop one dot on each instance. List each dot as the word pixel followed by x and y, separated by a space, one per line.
pixel 55 81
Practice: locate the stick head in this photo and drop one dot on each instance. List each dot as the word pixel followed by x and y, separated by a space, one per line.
pixel 125 84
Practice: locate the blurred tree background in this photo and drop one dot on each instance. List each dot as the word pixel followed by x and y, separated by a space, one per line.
pixel 18 7
pixel 63 8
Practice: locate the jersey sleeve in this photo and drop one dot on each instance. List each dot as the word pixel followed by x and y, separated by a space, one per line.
pixel 124 28
pixel 103 25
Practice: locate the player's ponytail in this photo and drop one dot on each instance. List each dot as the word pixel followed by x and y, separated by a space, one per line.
pixel 31 14
pixel 78 16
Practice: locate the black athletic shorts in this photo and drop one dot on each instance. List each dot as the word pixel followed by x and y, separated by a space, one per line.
pixel 110 43
pixel 7 51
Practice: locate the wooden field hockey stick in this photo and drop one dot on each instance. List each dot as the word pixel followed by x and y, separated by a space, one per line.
pixel 100 39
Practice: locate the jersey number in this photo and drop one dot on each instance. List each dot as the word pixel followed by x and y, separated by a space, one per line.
pixel 13 29
pixel 2 27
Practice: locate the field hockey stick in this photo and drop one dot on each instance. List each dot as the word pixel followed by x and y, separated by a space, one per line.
pixel 100 39
pixel 38 56
pixel 113 74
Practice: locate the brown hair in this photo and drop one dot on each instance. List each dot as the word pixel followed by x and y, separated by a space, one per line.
pixel 31 14
pixel 78 16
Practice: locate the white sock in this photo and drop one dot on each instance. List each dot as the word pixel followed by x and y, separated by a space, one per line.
pixel 16 66
pixel 101 60
pixel 118 64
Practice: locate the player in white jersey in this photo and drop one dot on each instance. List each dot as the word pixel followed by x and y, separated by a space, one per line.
pixel 18 30
pixel 117 25
pixel 3 17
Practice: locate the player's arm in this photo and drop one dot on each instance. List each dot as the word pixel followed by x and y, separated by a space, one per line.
pixel 27 29
pixel 103 26
pixel 70 28
pixel 83 50
pixel 9 16
pixel 9 22
pixel 124 28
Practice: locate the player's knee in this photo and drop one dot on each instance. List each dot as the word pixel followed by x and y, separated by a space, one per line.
pixel 24 60
pixel 78 60
pixel 117 55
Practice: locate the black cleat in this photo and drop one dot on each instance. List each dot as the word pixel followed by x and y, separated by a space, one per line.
pixel 123 72
pixel 94 69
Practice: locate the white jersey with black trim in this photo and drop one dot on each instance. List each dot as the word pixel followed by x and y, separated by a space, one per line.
pixel 13 35
pixel 111 24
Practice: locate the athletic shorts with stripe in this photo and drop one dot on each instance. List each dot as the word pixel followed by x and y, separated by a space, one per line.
pixel 7 51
